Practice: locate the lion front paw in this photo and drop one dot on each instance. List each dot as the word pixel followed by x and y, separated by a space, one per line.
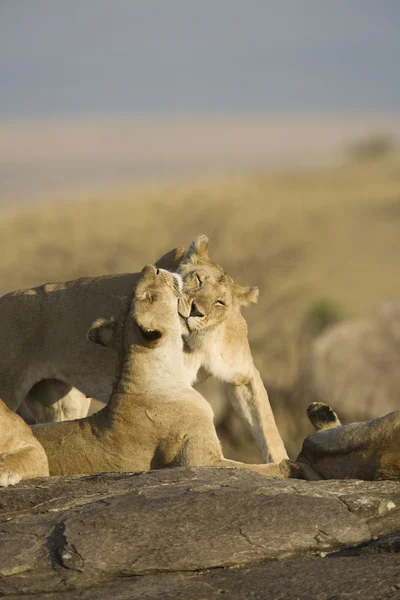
pixel 9 477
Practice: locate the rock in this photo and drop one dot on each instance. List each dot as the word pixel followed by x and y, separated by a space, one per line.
pixel 354 366
pixel 198 533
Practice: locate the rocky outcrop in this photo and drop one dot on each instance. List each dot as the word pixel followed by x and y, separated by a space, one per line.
pixel 355 366
pixel 199 533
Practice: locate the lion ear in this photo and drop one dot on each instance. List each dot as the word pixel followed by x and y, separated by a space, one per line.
pixel 103 332
pixel 198 250
pixel 246 295
pixel 170 261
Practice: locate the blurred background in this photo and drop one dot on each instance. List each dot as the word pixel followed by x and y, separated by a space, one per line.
pixel 128 128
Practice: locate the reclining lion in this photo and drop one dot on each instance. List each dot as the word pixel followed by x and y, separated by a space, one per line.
pixel 368 450
pixel 44 337
pixel 21 455
pixel 154 418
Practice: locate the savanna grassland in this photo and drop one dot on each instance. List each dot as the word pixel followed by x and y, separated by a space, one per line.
pixel 317 242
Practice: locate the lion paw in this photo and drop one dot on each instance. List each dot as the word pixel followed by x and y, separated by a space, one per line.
pixel 9 477
pixel 322 416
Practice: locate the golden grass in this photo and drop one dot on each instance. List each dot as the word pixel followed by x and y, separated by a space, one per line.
pixel 301 236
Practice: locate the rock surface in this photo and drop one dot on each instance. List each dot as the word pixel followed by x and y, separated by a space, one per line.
pixel 199 533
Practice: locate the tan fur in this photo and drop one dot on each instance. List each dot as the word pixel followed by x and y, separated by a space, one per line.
pixel 21 455
pixel 52 400
pixel 368 450
pixel 44 337
pixel 155 418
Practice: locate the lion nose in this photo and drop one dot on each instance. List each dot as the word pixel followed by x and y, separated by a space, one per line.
pixel 194 311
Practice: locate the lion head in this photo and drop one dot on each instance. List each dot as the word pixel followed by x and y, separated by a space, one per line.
pixel 150 316
pixel 210 296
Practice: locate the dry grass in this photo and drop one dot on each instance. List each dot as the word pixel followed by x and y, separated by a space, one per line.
pixel 302 237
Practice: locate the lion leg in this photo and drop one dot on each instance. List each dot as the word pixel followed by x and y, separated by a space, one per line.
pixel 52 401
pixel 201 447
pixel 252 403
pixel 248 395
pixel 27 462
pixel 21 455
pixel 270 470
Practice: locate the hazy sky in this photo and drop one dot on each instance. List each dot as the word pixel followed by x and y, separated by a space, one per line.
pixel 62 57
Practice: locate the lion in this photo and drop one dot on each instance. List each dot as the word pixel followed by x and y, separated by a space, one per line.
pixel 155 418
pixel 368 450
pixel 21 455
pixel 44 338
pixel 52 400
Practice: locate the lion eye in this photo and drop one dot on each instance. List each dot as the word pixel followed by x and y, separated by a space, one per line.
pixel 220 303
pixel 199 281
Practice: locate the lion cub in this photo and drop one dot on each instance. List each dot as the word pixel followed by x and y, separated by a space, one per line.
pixel 21 455
pixel 154 419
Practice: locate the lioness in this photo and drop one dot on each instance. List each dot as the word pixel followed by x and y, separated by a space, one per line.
pixel 369 450
pixel 44 337
pixel 52 400
pixel 154 418
pixel 21 455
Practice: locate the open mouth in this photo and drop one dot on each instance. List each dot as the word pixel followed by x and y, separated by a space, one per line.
pixel 149 334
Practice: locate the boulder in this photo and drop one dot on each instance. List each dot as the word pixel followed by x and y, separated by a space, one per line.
pixel 198 533
pixel 354 366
